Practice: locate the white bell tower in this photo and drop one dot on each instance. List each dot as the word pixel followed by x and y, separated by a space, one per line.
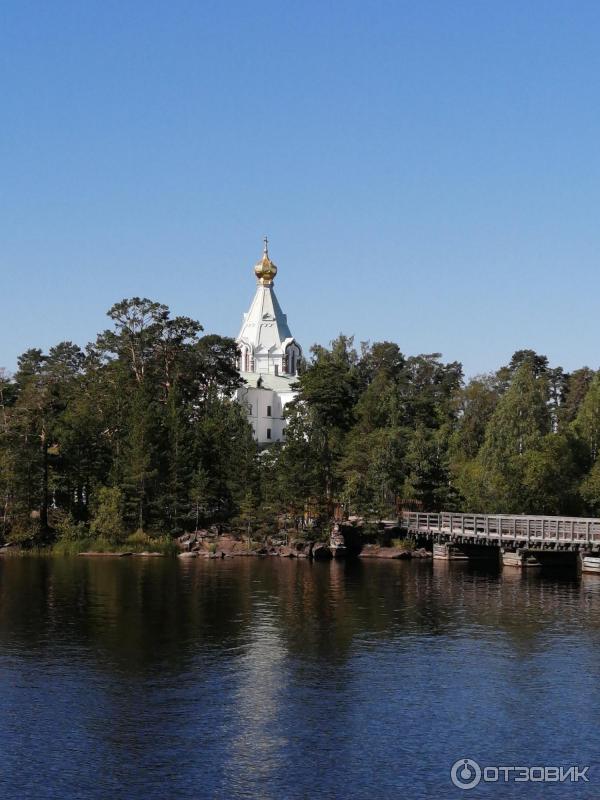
pixel 269 357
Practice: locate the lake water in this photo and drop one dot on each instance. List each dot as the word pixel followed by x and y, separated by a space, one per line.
pixel 248 678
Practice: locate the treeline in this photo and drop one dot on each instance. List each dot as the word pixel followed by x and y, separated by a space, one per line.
pixel 139 432
pixel 375 427
pixel 136 432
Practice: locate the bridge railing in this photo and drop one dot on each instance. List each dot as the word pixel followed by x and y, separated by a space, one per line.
pixel 420 521
pixel 500 527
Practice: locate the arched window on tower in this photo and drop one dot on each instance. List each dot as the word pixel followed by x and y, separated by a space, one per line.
pixel 246 361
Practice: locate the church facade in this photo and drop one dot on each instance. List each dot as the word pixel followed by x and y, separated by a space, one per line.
pixel 269 358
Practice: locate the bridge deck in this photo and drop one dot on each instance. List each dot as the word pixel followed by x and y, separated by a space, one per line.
pixel 496 529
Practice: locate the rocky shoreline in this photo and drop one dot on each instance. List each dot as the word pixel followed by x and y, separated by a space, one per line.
pixel 126 554
pixel 202 545
pixel 345 541
pixel 379 551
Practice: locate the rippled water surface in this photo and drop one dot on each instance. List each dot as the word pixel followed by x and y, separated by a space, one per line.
pixel 134 679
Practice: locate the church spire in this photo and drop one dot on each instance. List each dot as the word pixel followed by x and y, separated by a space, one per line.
pixel 265 270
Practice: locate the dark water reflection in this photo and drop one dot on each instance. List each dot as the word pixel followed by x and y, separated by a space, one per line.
pixel 284 679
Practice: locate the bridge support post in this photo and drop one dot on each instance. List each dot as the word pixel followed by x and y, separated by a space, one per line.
pixel 521 559
pixel 589 563
pixel 446 551
pixel 551 558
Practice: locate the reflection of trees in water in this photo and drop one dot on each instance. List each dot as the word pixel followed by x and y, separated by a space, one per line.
pixel 136 613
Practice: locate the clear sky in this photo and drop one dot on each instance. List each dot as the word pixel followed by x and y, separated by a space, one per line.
pixel 427 172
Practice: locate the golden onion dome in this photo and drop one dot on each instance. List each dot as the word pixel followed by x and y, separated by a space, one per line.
pixel 265 270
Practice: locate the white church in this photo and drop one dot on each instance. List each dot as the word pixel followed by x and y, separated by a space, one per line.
pixel 269 358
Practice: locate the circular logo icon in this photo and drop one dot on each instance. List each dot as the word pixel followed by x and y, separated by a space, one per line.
pixel 465 773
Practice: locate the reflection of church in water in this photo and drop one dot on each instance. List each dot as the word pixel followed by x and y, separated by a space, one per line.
pixel 269 357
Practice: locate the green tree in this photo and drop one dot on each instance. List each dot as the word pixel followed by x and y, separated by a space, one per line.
pixel 199 494
pixel 576 387
pixel 518 426
pixel 107 521
pixel 248 513
pixel 587 422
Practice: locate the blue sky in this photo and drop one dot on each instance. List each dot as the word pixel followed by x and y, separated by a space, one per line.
pixel 427 172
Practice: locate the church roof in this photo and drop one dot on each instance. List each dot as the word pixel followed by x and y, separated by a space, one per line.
pixel 265 325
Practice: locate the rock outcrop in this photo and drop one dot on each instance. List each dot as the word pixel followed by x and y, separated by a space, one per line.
pixel 401 553
pixel 321 552
pixel 210 544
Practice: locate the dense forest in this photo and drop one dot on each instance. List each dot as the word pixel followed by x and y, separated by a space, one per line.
pixel 138 434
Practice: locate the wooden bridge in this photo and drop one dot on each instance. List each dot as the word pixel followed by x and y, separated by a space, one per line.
pixel 511 532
